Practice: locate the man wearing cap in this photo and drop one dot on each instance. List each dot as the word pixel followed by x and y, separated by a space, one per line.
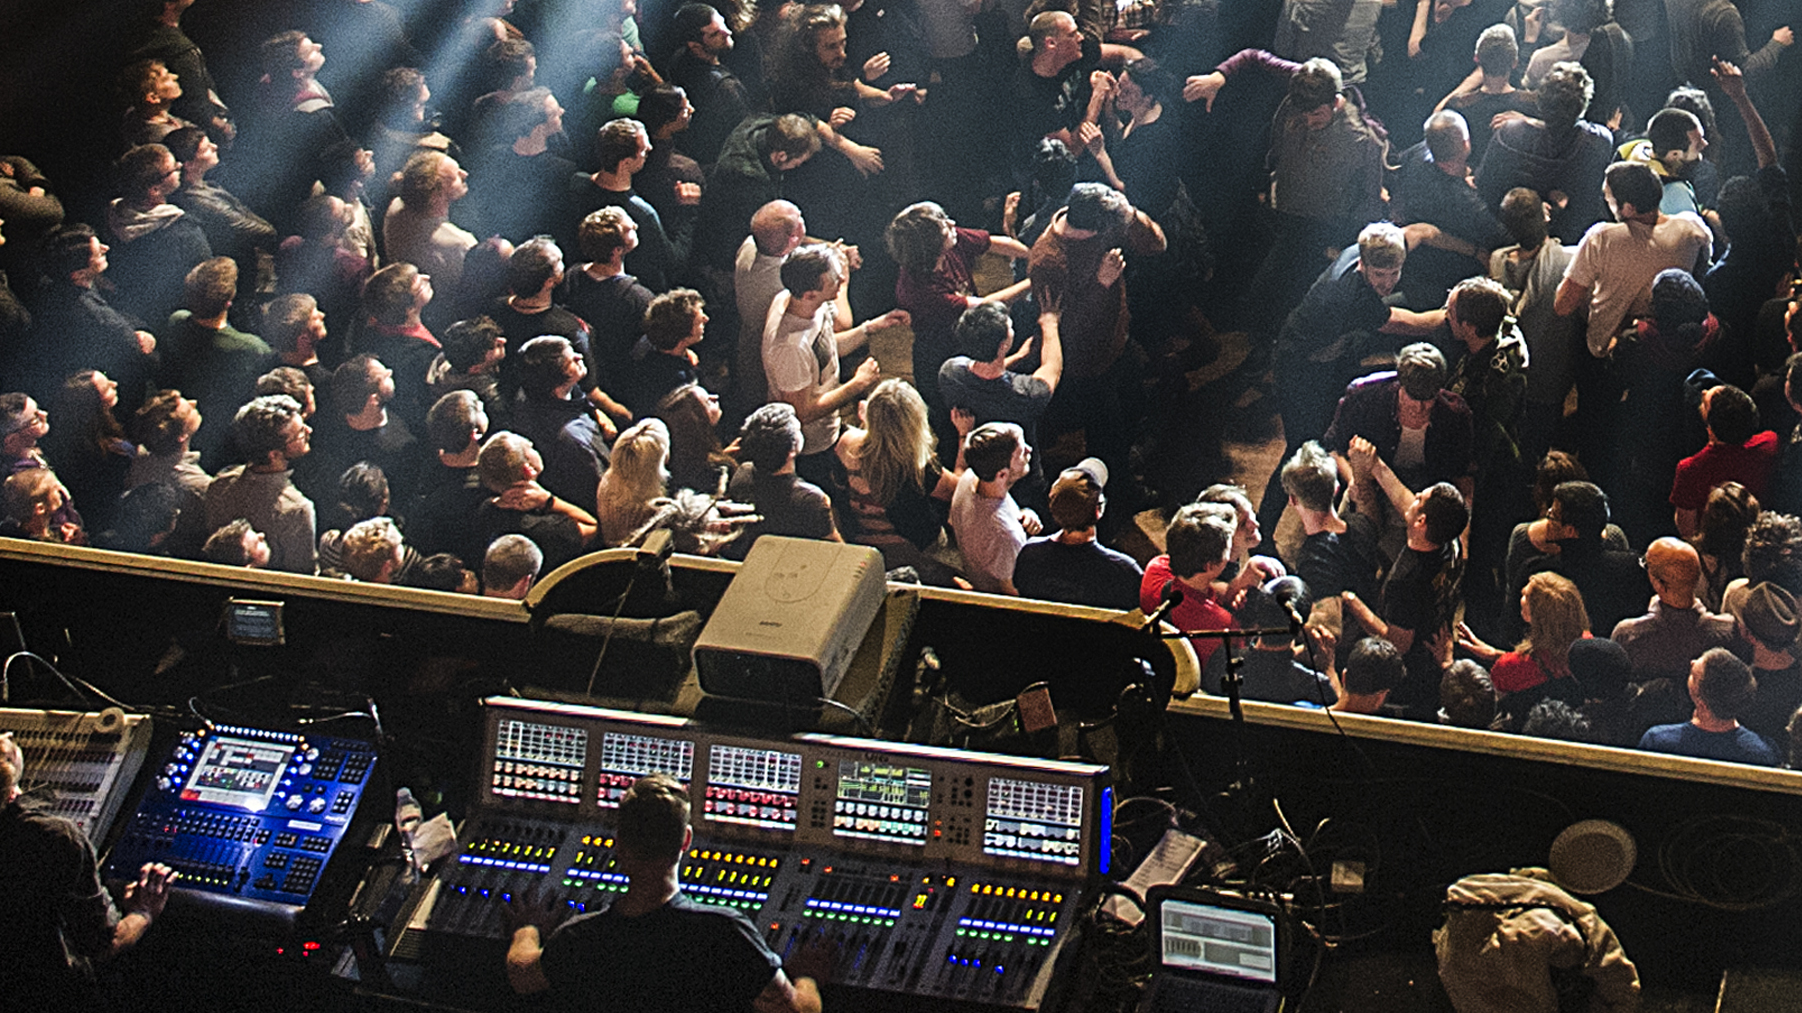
pixel 1722 687
pixel 1071 565
pixel 1677 628
pixel 1767 621
pixel 990 527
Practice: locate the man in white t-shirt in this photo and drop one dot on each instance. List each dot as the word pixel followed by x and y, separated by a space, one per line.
pixel 1615 263
pixel 990 526
pixel 801 346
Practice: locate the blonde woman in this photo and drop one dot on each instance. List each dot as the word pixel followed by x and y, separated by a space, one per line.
pixel 898 493
pixel 1553 611
pixel 637 474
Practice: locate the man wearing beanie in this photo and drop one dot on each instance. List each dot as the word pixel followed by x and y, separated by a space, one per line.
pixel 1677 628
pixel 1071 565
pixel 1604 677
pixel 1767 621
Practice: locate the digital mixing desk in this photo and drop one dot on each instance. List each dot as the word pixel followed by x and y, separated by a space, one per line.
pixel 251 819
pixel 937 872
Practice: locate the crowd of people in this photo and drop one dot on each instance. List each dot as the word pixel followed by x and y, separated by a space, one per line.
pixel 449 302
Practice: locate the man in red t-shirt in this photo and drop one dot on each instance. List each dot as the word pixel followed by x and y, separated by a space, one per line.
pixel 1200 542
pixel 1736 452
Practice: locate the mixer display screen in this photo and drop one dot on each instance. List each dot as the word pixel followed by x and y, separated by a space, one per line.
pixel 626 758
pixel 540 762
pixel 1034 820
pixel 238 773
pixel 757 787
pixel 882 802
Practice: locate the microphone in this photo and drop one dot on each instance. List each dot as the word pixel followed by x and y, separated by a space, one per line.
pixel 1296 622
pixel 1169 598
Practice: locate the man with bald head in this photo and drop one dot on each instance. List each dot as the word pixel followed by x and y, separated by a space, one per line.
pixel 776 229
pixel 1677 628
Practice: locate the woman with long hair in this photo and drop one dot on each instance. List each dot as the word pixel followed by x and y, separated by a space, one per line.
pixel 697 461
pixel 637 474
pixel 936 284
pixel 1539 666
pixel 899 495
pixel 1727 519
pixel 88 445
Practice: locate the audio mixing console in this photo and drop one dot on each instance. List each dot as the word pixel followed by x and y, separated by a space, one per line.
pixel 937 872
pixel 250 818
pixel 86 761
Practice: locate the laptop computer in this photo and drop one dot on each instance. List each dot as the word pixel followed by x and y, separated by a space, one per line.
pixel 1217 953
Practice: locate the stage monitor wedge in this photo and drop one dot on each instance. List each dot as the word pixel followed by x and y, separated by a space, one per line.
pixel 788 626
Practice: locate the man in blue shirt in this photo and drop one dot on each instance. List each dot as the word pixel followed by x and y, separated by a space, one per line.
pixel 1721 686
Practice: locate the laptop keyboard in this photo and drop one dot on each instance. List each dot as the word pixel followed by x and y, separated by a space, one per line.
pixel 1186 995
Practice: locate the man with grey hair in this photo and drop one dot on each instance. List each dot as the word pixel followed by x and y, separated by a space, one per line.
pixel 1433 188
pixel 787 504
pixel 273 436
pixel 509 567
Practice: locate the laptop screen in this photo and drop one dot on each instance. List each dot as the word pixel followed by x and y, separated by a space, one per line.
pixel 1218 940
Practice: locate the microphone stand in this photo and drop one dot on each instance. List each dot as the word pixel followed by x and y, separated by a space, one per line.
pixel 1233 684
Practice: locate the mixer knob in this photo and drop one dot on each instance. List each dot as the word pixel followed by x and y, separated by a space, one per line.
pixel 312 753
pixel 171 769
pixel 294 801
pixel 164 784
pixel 303 769
pixel 316 806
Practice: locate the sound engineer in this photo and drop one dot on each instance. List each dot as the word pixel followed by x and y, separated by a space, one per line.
pixel 654 950
pixel 57 916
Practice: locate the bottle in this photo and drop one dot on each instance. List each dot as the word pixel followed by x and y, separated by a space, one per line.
pixel 407 816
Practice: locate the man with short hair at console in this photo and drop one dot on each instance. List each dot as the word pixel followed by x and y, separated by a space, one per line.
pixel 639 952
pixel 57 915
